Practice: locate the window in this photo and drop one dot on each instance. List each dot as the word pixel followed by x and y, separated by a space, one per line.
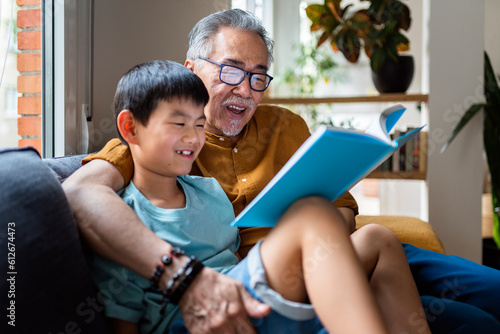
pixel 8 75
pixel 10 102
pixel 67 76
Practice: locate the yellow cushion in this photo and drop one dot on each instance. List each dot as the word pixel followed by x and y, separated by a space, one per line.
pixel 408 230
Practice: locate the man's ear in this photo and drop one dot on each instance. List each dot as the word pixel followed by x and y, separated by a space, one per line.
pixel 127 126
pixel 189 63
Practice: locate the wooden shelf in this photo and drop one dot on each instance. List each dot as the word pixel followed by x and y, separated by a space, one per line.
pixel 348 99
pixel 398 175
pixel 419 98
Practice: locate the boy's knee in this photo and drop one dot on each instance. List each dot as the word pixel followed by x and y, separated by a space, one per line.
pixel 312 201
pixel 315 210
pixel 374 233
pixel 312 206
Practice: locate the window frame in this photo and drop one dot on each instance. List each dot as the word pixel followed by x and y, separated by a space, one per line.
pixel 66 76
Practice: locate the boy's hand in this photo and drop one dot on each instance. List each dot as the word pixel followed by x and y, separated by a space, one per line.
pixel 215 303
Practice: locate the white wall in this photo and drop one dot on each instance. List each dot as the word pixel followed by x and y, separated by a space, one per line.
pixel 409 197
pixel 129 32
pixel 492 32
pixel 286 15
pixel 456 44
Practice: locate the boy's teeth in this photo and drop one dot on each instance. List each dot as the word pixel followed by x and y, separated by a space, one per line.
pixel 184 152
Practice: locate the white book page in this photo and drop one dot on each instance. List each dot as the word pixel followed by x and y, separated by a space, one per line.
pixel 380 127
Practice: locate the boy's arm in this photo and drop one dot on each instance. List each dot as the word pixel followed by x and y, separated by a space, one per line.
pixel 113 230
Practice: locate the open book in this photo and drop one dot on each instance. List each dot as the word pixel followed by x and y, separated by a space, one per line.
pixel 329 163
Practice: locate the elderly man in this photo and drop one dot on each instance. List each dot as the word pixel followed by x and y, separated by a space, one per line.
pixel 246 146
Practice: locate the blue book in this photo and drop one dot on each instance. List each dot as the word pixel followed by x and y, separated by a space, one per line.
pixel 329 163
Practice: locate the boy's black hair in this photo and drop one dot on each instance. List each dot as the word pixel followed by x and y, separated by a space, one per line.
pixel 144 85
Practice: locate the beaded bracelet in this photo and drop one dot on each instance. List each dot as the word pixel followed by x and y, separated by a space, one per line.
pixel 186 275
pixel 192 270
pixel 166 260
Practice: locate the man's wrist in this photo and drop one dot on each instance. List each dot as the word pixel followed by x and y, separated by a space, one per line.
pixel 162 267
pixel 170 270
pixel 182 280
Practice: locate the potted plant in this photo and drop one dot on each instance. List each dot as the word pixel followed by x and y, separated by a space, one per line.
pixel 491 137
pixel 377 30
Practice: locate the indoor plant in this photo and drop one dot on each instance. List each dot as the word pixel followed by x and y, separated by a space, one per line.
pixel 312 72
pixel 376 29
pixel 491 137
pixel 311 66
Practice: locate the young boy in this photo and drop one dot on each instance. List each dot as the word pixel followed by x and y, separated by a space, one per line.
pixel 306 269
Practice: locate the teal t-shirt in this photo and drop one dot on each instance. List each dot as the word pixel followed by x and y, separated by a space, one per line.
pixel 201 229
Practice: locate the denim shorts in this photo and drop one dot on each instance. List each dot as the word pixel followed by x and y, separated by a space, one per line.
pixel 286 316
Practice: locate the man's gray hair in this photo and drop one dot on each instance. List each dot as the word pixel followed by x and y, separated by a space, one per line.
pixel 200 37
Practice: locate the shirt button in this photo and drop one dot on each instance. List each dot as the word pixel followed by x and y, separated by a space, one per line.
pixel 221 139
pixel 244 180
pixel 235 150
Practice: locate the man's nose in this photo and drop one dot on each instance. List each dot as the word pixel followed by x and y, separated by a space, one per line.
pixel 243 88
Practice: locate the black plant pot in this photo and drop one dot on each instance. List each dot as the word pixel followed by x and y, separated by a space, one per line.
pixel 394 77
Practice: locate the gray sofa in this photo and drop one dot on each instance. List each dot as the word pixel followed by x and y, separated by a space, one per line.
pixel 49 288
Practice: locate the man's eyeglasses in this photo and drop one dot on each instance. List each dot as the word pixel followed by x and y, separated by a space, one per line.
pixel 232 75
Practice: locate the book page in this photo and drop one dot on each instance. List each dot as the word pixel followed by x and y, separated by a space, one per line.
pixel 384 123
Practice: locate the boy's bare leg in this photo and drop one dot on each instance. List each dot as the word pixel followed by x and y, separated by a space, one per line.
pixel 309 255
pixel 384 259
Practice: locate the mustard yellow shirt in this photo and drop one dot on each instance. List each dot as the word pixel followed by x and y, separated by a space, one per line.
pixel 243 168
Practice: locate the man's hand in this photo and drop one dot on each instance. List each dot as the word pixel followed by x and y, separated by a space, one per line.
pixel 216 303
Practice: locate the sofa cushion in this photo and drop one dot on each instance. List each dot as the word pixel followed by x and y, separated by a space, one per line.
pixel 50 280
pixel 63 167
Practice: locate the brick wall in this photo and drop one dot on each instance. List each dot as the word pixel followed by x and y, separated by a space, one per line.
pixel 29 65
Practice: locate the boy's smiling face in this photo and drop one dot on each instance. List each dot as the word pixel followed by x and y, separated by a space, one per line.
pixel 172 138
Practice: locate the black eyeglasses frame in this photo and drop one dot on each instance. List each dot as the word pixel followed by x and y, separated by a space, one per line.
pixel 250 74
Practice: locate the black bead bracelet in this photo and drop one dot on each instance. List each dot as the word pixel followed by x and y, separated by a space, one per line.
pixel 192 270
pixel 166 260
pixel 180 282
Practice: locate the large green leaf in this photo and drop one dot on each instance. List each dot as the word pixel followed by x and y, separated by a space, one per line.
pixel 359 21
pixel 469 114
pixel 334 6
pixel 405 19
pixel 349 44
pixel 378 57
pixel 491 85
pixel 495 194
pixel 314 12
pixel 491 137
pixel 491 92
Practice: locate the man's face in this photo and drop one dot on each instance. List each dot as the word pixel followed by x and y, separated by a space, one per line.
pixel 231 107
